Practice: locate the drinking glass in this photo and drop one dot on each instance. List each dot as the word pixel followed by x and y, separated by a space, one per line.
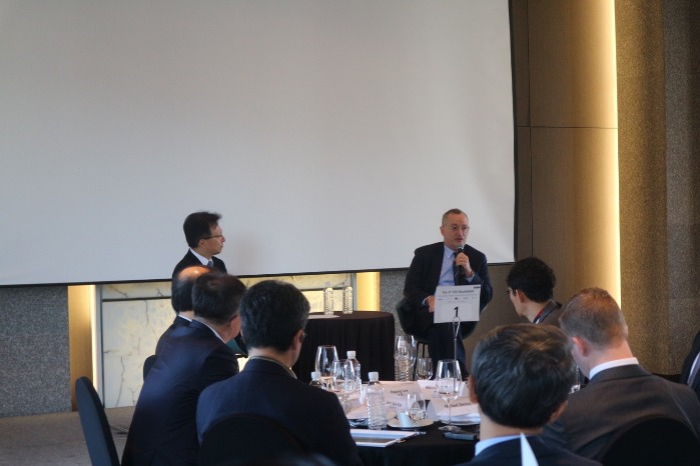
pixel 415 406
pixel 343 380
pixel 405 355
pixel 449 381
pixel 424 368
pixel 325 355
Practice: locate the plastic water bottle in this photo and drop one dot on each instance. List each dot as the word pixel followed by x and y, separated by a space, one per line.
pixel 376 414
pixel 328 299
pixel 316 379
pixel 356 366
pixel 347 300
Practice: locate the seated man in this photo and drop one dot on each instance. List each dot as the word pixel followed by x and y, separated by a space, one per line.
pixel 447 263
pixel 181 299
pixel 521 375
pixel 620 390
pixel 274 316
pixel 163 429
pixel 690 372
pixel 531 290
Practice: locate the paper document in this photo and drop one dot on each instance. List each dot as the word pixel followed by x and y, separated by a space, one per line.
pixel 461 301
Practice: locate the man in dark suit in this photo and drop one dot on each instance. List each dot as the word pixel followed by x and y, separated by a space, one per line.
pixel 274 316
pixel 205 239
pixel 163 429
pixel 450 262
pixel 620 390
pixel 531 290
pixel 521 375
pixel 181 299
pixel 690 373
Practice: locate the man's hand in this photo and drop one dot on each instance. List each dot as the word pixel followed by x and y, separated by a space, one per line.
pixel 463 261
pixel 430 301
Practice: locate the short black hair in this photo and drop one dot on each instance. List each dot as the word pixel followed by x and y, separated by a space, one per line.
pixel 216 296
pixel 534 278
pixel 522 374
pixel 181 286
pixel 198 226
pixel 272 312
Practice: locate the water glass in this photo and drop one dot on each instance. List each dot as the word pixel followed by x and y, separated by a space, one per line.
pixel 343 380
pixel 449 382
pixel 325 355
pixel 424 368
pixel 405 355
pixel 415 406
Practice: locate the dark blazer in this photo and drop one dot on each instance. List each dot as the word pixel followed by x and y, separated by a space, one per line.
pixel 508 454
pixel 614 398
pixel 423 276
pixel 190 260
pixel 688 363
pixel 163 429
pixel 265 388
pixel 178 322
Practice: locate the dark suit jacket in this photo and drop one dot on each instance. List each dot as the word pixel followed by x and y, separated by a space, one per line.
pixel 190 260
pixel 178 322
pixel 265 388
pixel 163 429
pixel 688 364
pixel 423 276
pixel 614 398
pixel 508 454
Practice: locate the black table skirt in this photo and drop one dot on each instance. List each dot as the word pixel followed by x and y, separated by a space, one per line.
pixel 370 334
pixel 430 449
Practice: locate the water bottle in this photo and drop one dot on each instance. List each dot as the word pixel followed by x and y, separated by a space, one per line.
pixel 347 300
pixel 328 299
pixel 376 414
pixel 356 365
pixel 316 379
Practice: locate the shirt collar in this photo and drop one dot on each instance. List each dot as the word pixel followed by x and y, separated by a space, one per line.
pixel 482 445
pixel 215 332
pixel 611 364
pixel 201 258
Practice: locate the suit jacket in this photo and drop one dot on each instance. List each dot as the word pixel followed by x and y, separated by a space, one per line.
pixel 688 364
pixel 612 399
pixel 312 415
pixel 508 454
pixel 163 429
pixel 550 314
pixel 178 322
pixel 424 274
pixel 190 260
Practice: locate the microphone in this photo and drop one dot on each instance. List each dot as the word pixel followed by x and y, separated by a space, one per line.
pixel 460 269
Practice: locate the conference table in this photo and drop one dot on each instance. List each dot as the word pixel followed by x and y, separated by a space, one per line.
pixel 369 333
pixel 430 448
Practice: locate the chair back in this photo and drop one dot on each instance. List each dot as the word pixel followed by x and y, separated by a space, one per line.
pixel 409 323
pixel 147 364
pixel 652 440
pixel 246 438
pixel 93 420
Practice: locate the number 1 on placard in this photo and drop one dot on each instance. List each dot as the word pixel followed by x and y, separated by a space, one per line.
pixel 457 311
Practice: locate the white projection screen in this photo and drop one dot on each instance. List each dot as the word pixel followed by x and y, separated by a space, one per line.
pixel 330 134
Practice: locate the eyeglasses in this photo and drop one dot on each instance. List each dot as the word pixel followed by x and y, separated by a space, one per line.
pixel 212 237
pixel 509 291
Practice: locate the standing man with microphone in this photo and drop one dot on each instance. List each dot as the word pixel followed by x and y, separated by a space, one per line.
pixel 447 263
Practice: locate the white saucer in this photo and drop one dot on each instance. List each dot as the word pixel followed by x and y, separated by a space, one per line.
pixel 417 425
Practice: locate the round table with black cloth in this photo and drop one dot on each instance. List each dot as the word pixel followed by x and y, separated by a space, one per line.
pixel 429 449
pixel 370 334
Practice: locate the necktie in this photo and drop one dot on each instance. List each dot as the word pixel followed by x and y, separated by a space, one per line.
pixel 210 263
pixel 693 375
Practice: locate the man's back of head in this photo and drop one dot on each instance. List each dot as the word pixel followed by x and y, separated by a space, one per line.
pixel 592 314
pixel 534 278
pixel 181 287
pixel 216 297
pixel 521 374
pixel 272 312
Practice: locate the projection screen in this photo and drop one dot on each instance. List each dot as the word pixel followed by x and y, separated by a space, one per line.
pixel 330 134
